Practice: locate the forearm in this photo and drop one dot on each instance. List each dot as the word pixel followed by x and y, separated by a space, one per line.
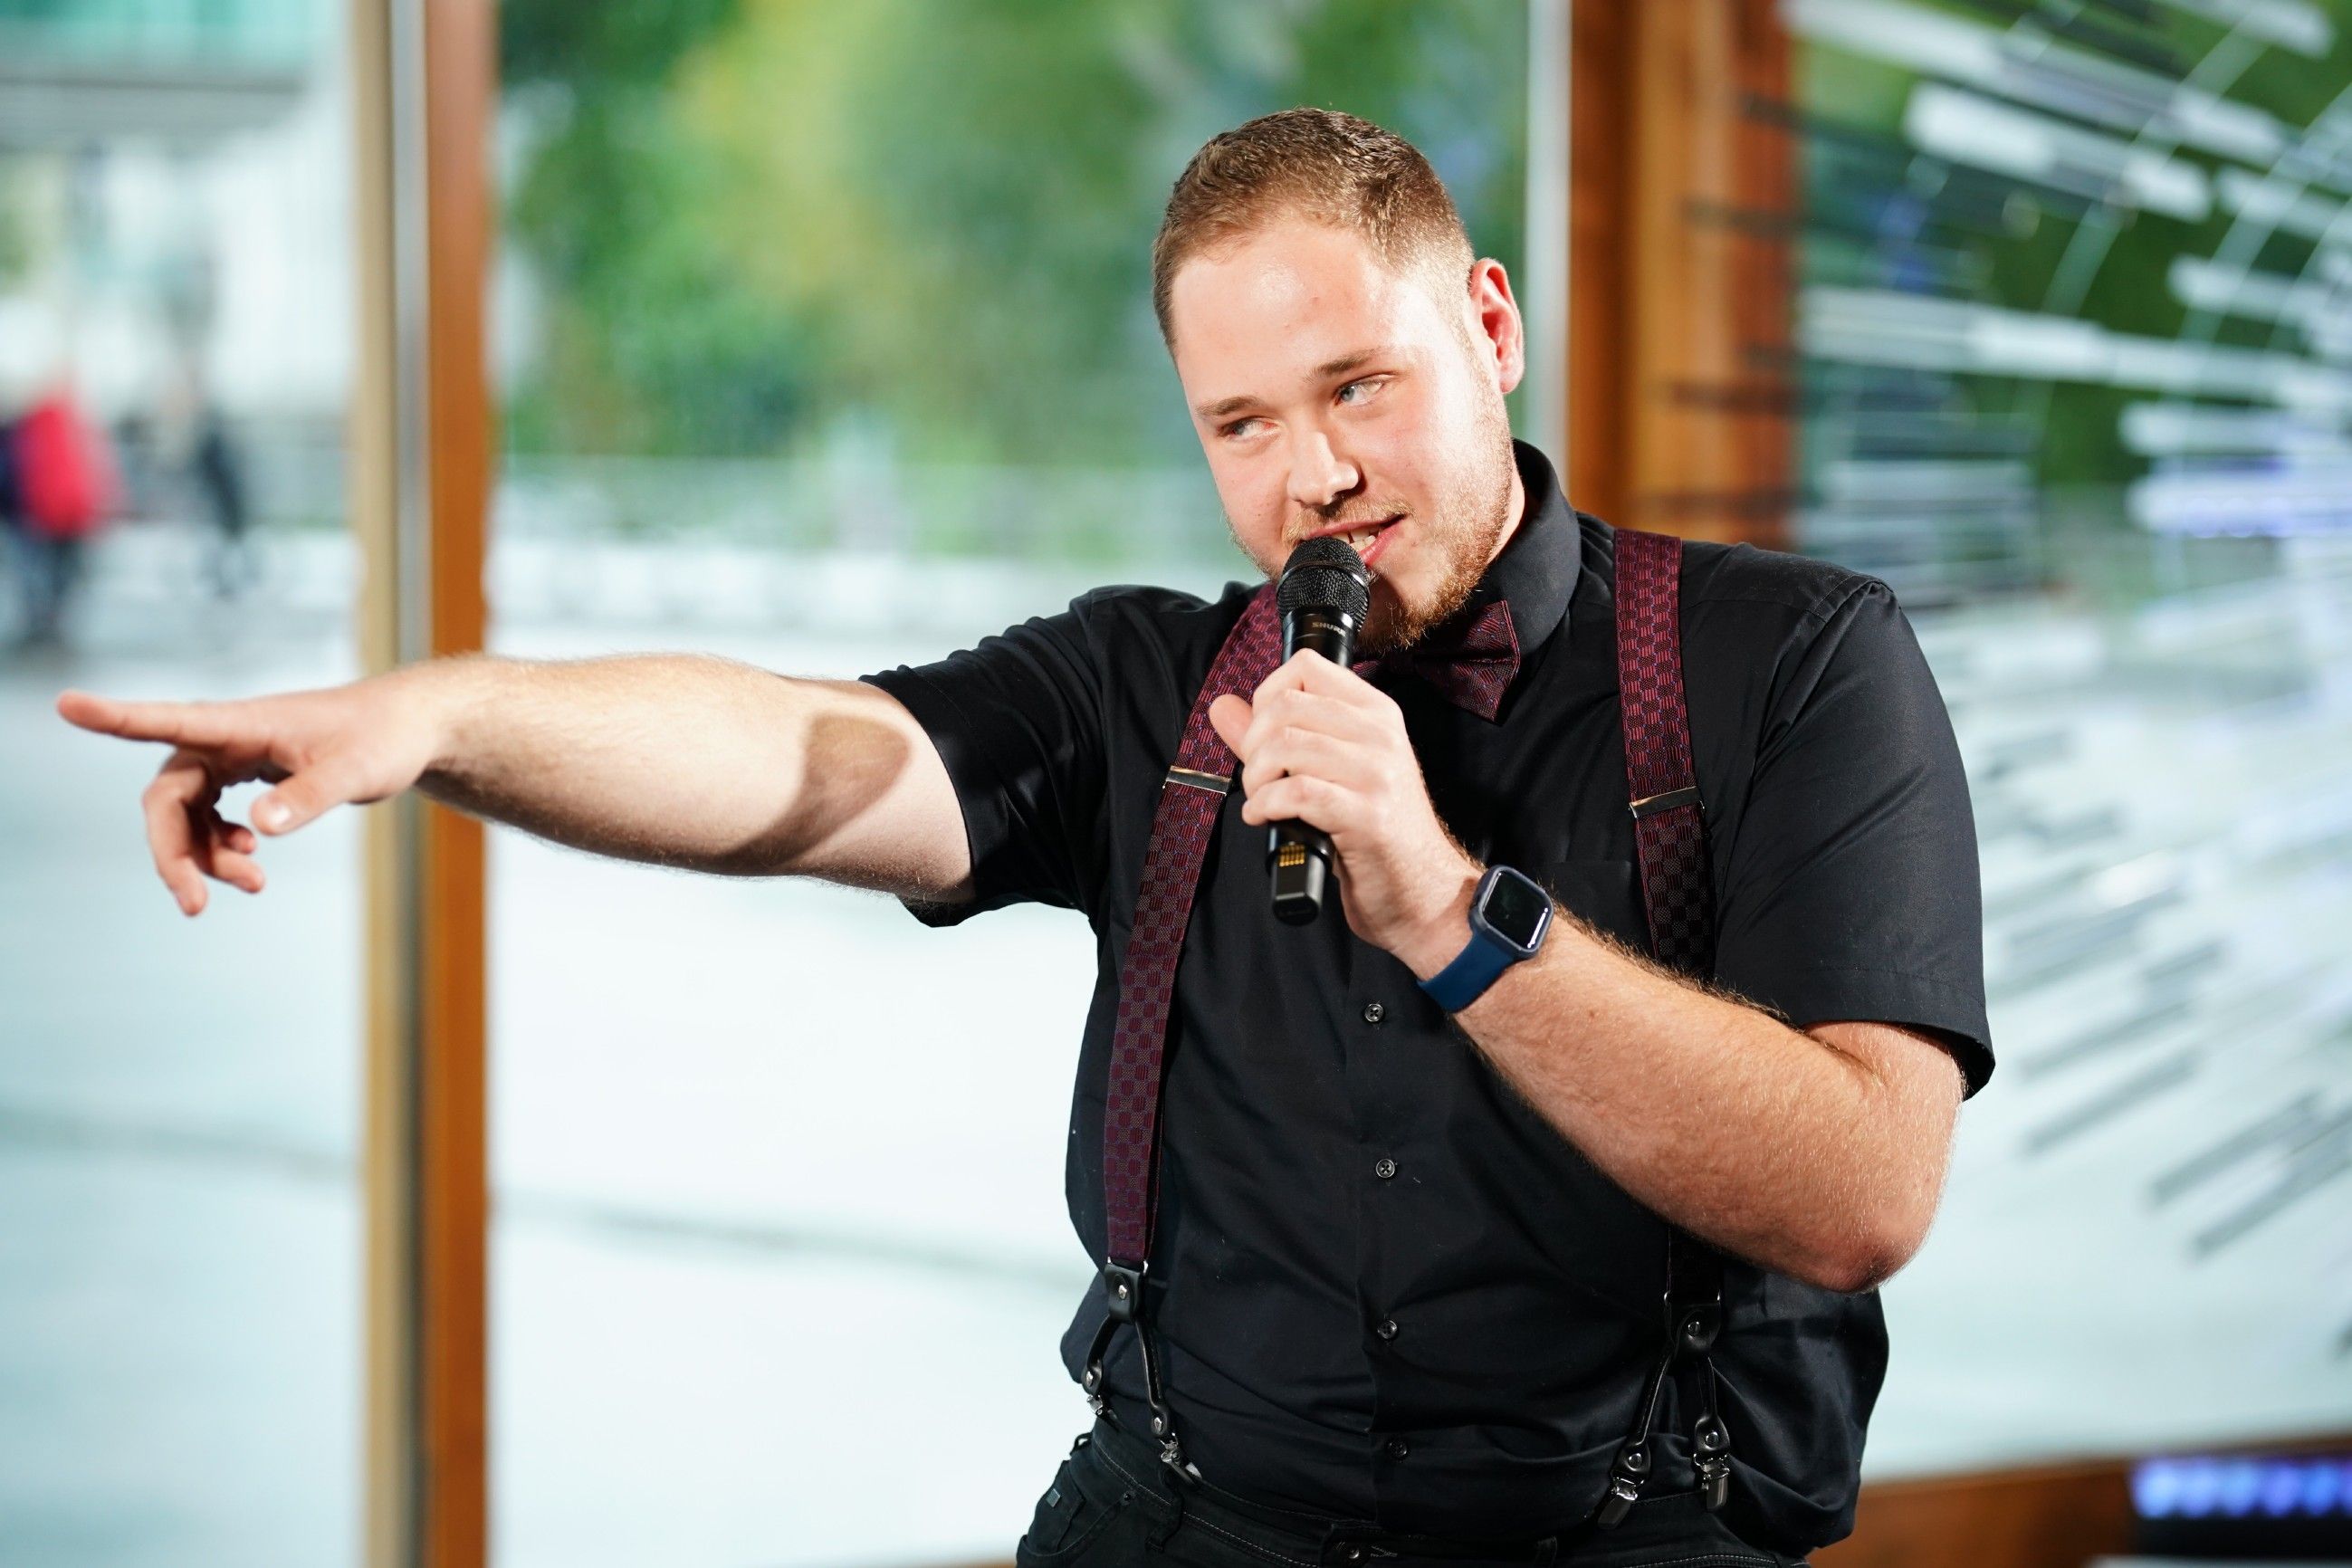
pixel 684 760
pixel 1755 1136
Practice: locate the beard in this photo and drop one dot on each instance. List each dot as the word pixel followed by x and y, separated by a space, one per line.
pixel 1461 531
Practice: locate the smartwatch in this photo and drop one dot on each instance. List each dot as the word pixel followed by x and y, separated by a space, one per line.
pixel 1508 917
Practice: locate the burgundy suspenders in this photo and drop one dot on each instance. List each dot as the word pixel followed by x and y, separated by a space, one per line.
pixel 1676 891
pixel 1678 894
pixel 1189 798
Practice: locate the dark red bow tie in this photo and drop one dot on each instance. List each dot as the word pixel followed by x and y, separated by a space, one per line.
pixel 1471 659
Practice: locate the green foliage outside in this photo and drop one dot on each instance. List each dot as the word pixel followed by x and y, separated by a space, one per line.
pixel 2075 425
pixel 753 222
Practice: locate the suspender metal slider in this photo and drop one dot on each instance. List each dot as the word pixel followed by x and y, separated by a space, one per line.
pixel 1667 801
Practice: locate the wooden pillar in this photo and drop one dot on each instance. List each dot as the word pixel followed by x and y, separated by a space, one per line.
pixel 1682 202
pixel 422 443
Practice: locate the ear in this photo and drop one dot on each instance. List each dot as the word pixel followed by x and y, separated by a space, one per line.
pixel 1498 335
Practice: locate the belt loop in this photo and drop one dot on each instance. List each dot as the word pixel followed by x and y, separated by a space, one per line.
pixel 1157 1539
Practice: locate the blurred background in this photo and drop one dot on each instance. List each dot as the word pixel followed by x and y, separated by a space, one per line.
pixel 819 336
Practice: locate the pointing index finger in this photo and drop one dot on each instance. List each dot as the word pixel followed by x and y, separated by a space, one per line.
pixel 182 724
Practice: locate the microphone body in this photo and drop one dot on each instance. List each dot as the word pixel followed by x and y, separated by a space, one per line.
pixel 1325 595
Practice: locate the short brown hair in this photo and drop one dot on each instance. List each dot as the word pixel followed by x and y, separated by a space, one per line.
pixel 1320 164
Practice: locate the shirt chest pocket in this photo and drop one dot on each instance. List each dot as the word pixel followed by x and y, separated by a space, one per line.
pixel 1604 894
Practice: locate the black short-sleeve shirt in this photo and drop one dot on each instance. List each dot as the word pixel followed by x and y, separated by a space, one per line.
pixel 1385 1286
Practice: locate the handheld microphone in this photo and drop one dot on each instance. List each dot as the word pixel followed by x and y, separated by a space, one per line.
pixel 1324 594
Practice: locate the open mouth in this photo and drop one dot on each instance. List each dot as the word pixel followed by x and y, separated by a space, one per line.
pixel 1369 540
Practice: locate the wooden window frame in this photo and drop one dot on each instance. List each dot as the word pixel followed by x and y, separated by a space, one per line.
pixel 423 442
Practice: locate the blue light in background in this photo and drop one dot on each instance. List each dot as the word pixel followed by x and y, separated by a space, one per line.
pixel 2156 1488
pixel 2239 1480
pixel 2240 1485
pixel 2200 1488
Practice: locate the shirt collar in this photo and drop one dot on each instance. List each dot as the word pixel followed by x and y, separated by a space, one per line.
pixel 1537 568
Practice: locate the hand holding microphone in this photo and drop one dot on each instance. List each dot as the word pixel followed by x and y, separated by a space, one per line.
pixel 1324 594
pixel 1328 768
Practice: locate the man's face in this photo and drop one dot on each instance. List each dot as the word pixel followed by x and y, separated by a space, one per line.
pixel 1331 394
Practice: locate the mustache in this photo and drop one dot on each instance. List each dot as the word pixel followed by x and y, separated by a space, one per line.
pixel 1348 523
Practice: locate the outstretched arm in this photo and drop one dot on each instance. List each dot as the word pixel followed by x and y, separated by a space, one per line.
pixel 674 759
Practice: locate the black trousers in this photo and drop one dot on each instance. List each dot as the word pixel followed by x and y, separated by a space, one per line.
pixel 1112 1505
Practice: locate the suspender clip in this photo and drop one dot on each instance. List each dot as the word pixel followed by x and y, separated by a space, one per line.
pixel 1711 1453
pixel 1180 1471
pixel 1691 1328
pixel 1627 1471
pixel 1710 1444
pixel 1123 1295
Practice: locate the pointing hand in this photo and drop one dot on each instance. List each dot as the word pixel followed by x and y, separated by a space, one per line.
pixel 359 743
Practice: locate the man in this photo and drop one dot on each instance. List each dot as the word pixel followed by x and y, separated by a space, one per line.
pixel 1406 1280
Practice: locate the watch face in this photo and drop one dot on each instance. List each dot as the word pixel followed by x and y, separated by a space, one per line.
pixel 1517 908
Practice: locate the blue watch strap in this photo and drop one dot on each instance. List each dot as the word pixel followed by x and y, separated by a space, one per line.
pixel 1465 979
pixel 1493 948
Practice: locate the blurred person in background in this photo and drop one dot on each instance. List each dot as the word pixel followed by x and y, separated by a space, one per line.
pixel 216 469
pixel 66 490
pixel 11 505
pixel 136 499
pixel 202 450
pixel 1415 1195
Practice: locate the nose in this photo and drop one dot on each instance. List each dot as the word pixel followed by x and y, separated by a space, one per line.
pixel 1319 475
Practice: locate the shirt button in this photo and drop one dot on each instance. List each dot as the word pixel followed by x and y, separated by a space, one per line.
pixel 1374 1012
pixel 1384 1169
pixel 1397 1450
pixel 1387 1328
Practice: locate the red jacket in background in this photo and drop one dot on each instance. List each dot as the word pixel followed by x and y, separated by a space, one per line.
pixel 65 476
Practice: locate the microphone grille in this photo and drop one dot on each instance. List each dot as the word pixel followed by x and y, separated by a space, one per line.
pixel 1325 575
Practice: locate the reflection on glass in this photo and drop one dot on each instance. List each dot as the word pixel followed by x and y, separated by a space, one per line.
pixel 2076 379
pixel 179 1314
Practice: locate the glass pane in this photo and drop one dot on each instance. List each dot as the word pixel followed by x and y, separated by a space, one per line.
pixel 832 346
pixel 179 1312
pixel 2076 379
